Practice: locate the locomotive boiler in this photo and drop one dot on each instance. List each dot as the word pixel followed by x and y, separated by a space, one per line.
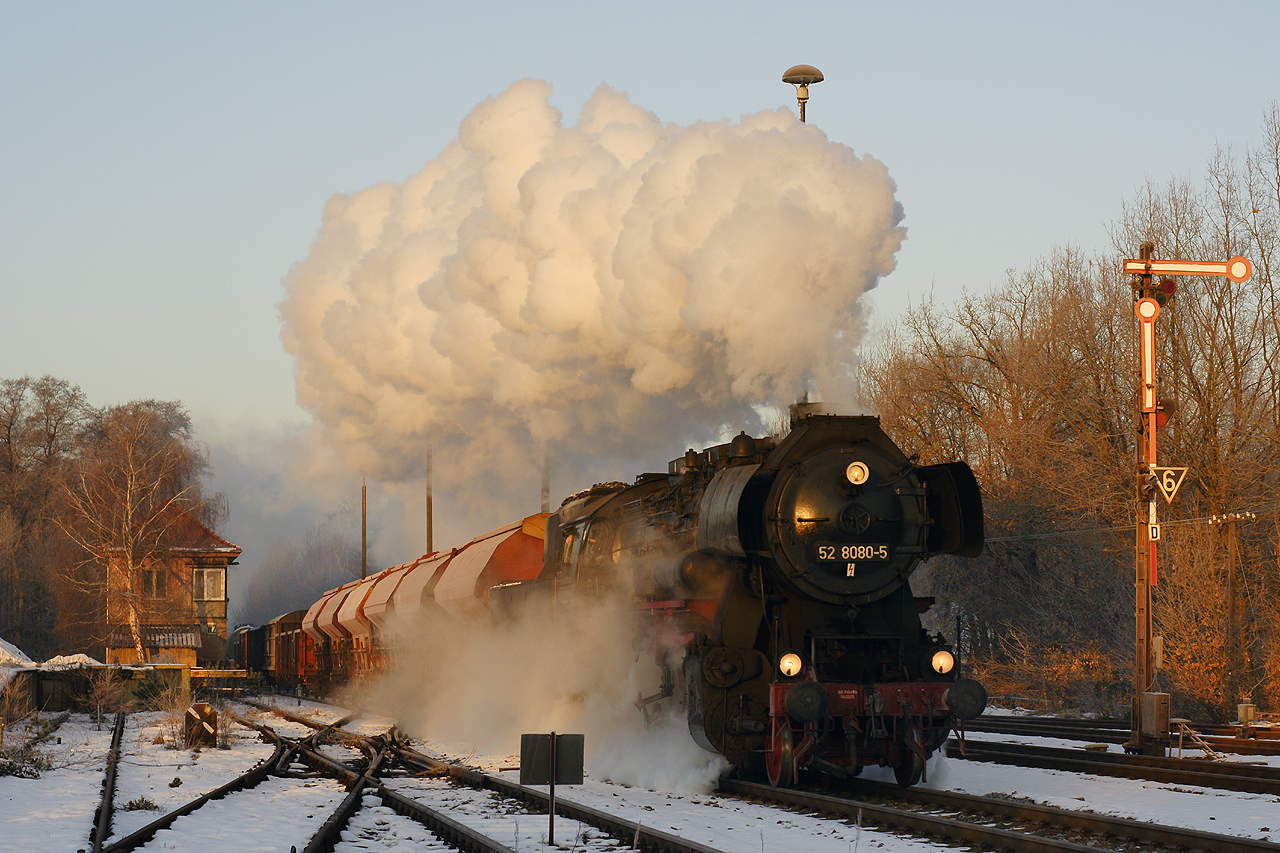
pixel 769 576
pixel 772 576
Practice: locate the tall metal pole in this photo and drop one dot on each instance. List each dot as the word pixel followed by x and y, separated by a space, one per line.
pixel 430 522
pixel 364 529
pixel 551 796
pixel 1147 529
pixel 546 482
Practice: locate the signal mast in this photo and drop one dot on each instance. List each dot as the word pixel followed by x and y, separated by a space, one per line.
pixel 1150 714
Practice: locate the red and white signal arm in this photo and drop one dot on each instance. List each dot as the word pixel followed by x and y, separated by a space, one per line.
pixel 1148 310
pixel 1238 269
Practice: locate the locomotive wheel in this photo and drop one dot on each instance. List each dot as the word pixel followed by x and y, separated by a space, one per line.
pixel 780 760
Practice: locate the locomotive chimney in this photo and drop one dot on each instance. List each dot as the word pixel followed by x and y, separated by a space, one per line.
pixel 546 483
pixel 802 409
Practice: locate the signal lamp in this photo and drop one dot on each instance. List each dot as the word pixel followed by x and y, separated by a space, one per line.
pixel 1164 291
pixel 790 664
pixel 1165 411
pixel 942 661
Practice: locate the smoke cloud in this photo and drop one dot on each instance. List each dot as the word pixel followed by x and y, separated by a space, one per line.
pixel 605 290
pixel 474 688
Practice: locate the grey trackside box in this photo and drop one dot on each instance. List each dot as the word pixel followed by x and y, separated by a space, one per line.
pixel 1155 714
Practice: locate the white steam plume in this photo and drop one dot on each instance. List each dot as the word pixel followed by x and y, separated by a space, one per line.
pixel 472 688
pixel 613 288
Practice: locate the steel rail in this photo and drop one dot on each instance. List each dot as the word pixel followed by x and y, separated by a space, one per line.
pixel 461 836
pixel 1247 778
pixel 1069 729
pixel 102 820
pixel 254 776
pixel 330 832
pixel 1172 837
pixel 639 836
pixel 298 718
pixel 913 822
pixel 1224 769
pixel 1065 722
pixel 1205 728
pixel 285 748
pixel 1047 728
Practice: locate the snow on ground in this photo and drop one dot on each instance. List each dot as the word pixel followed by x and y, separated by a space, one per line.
pixel 376 827
pixel 167 778
pixel 274 816
pixel 55 812
pixel 724 823
pixel 1207 809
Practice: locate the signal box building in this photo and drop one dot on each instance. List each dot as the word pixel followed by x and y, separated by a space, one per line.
pixel 181 598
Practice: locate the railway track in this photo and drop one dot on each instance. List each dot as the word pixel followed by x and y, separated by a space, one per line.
pixel 1221 738
pixel 382 788
pixel 1098 731
pixel 991 823
pixel 1232 776
pixel 389 780
pixel 106 807
pixel 986 822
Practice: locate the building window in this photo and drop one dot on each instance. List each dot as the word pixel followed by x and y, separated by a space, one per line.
pixel 154 583
pixel 209 584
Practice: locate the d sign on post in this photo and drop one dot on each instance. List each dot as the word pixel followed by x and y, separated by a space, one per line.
pixel 540 764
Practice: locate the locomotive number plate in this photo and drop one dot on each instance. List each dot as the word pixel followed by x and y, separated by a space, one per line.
pixel 852 553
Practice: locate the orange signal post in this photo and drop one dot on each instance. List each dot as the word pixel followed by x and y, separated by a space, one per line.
pixel 1150 727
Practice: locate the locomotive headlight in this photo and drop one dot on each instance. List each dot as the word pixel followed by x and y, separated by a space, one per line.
pixel 857 473
pixel 790 664
pixel 942 661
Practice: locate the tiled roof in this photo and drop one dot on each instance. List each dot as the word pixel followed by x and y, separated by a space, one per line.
pixel 157 636
pixel 186 534
pixel 191 535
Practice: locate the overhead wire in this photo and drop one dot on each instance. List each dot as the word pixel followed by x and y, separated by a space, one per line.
pixel 1203 519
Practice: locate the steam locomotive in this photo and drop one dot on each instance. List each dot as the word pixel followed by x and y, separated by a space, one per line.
pixel 770 576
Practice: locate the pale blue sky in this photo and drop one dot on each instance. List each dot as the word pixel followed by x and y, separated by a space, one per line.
pixel 162 165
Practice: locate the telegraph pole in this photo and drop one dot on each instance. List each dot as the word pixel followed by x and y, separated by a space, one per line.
pixel 364 528
pixel 1150 710
pixel 431 545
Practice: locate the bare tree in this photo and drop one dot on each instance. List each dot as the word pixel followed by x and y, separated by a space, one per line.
pixel 39 420
pixel 136 473
pixel 1222 363
pixel 1034 385
pixel 294 575
pixel 1024 383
